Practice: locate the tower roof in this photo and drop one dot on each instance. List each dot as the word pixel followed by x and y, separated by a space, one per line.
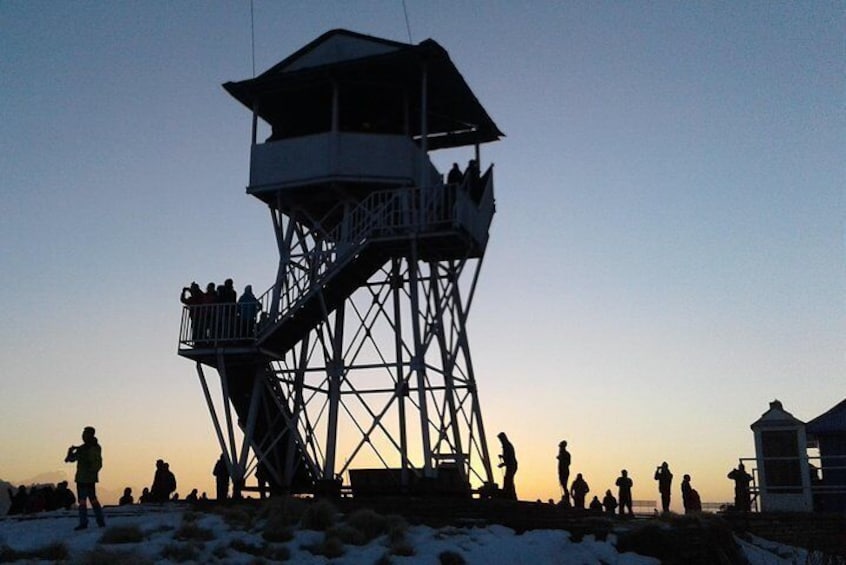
pixel 455 116
pixel 831 422
pixel 776 417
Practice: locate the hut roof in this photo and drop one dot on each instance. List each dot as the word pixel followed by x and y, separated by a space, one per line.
pixel 831 422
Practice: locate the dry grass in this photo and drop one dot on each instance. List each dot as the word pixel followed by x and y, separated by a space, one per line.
pixel 51 552
pixel 190 531
pixel 181 552
pixel 319 516
pixel 122 534
pixel 103 556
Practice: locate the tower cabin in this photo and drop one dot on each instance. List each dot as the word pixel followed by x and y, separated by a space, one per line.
pixel 350 115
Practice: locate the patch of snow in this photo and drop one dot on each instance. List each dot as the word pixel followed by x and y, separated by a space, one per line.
pixel 486 545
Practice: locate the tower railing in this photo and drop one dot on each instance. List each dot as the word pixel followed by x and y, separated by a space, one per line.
pixel 383 214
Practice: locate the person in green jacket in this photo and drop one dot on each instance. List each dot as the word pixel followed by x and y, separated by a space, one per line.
pixel 89 461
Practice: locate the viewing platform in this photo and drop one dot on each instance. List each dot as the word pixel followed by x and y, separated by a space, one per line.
pixel 448 221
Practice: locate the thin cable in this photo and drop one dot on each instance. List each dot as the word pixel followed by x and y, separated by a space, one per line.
pixel 253 35
pixel 407 25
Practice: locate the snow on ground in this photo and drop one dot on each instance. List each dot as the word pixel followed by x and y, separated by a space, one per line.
pixel 488 545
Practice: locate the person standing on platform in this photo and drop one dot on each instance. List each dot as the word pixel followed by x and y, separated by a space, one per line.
pixel 248 309
pixel 741 488
pixel 690 498
pixel 455 176
pixel 579 489
pixel 89 460
pixel 508 460
pixel 564 470
pixel 221 478
pixel 624 492
pixel 665 482
pixel 609 503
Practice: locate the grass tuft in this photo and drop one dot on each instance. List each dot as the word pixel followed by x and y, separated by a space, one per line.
pixel 369 523
pixel 277 553
pixel 275 531
pixel 402 548
pixel 103 556
pixel 286 510
pixel 122 534
pixel 331 547
pixel 191 516
pixel 240 517
pixel 190 531
pixel 385 559
pixel 347 534
pixel 396 528
pixel 319 516
pixel 52 552
pixel 181 552
pixel 450 557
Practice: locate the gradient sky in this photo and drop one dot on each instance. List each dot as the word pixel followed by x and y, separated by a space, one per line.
pixel 667 255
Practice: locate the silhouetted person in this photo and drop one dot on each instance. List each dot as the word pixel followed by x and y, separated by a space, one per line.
pixel 690 498
pixel 157 490
pixel 204 317
pixel 210 295
pixel 64 496
pixel 624 492
pixel 564 468
pixel 609 503
pixel 579 489
pixel 192 496
pixel 127 498
pixel 221 478
pixel 261 480
pixel 665 483
pixel 741 478
pixel 49 494
pixel 227 300
pixel 226 294
pixel 248 308
pixel 192 296
pixel 508 460
pixel 19 500
pixel 455 176
pixel 145 496
pixel 169 481
pixel 37 500
pixel 175 497
pixel 89 460
pixel 595 505
pixel 474 185
pixel 204 497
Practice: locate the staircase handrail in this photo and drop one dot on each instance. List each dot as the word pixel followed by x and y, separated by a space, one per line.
pixel 348 237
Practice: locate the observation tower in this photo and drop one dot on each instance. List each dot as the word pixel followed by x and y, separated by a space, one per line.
pixel 357 370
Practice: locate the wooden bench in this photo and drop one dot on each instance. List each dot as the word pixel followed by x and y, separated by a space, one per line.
pixel 644 506
pixel 715 506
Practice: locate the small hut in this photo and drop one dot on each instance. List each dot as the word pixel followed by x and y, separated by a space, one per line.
pixel 782 459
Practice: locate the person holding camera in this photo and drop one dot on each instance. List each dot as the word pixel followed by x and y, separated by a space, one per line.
pixel 89 460
pixel 665 483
